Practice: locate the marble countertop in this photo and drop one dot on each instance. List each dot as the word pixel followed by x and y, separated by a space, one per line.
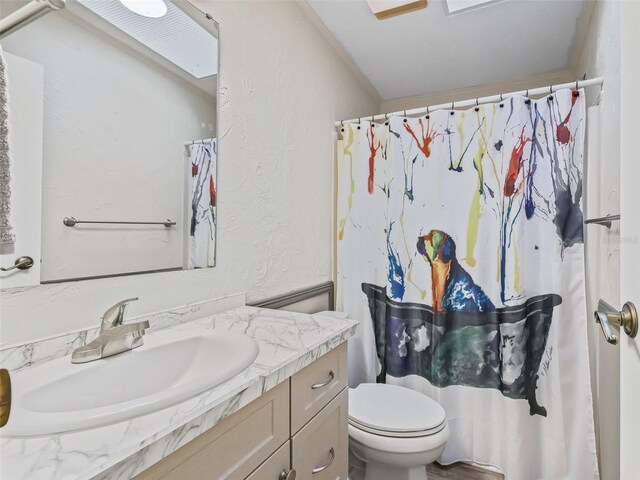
pixel 288 342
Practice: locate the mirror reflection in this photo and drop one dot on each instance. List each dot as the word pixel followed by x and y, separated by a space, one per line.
pixel 123 97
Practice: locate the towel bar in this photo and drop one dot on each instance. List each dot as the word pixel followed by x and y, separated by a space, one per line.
pixel 605 221
pixel 71 222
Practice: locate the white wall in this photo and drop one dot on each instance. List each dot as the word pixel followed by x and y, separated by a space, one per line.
pixel 530 81
pixel 115 124
pixel 600 56
pixel 282 87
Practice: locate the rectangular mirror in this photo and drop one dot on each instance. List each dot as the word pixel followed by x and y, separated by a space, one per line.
pixel 129 157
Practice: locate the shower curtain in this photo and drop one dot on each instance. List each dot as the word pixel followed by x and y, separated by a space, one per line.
pixel 202 233
pixel 460 250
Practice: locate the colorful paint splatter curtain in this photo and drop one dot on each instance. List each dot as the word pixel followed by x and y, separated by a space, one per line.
pixel 202 232
pixel 460 249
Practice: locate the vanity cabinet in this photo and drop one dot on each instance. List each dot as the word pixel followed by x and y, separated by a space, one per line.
pixel 300 424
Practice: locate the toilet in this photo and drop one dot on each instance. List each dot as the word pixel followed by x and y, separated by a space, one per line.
pixel 395 431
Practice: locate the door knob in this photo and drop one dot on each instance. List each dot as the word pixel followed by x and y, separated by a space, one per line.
pixel 290 475
pixel 627 318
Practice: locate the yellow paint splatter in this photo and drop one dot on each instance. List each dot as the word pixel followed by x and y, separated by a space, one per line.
pixel 472 228
pixel 474 211
pixel 347 153
pixel 423 293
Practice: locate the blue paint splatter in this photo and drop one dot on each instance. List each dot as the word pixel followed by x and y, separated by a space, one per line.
pixel 395 275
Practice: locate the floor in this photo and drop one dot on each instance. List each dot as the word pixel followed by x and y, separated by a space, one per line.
pixel 457 471
pixel 460 471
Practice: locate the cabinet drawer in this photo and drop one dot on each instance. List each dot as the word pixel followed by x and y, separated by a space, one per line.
pixel 274 465
pixel 233 448
pixel 316 385
pixel 322 445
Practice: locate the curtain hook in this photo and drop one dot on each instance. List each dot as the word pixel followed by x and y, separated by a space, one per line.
pixel 405 113
pixel 372 118
pixel 453 105
pixel 477 103
pixel 501 97
pixel 550 89
pixel 342 123
pixel 576 84
pixel 427 109
pixel 527 94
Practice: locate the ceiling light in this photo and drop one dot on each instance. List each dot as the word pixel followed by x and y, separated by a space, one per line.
pixel 389 8
pixel 146 8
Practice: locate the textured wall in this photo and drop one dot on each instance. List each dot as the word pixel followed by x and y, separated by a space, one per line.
pixel 281 88
pixel 600 56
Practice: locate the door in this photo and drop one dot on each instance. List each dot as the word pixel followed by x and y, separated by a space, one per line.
pixel 25 102
pixel 629 234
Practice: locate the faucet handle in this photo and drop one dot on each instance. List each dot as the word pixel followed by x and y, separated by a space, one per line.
pixel 114 315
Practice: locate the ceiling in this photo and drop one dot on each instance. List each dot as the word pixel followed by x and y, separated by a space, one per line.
pixel 430 50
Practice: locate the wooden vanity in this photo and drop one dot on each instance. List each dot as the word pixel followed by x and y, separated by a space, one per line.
pixel 300 425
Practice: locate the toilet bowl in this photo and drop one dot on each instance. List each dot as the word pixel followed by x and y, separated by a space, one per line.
pixel 395 431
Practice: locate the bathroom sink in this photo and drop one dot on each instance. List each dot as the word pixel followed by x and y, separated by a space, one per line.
pixel 170 367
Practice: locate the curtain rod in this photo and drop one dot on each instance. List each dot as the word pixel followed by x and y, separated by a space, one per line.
pixel 29 12
pixel 472 102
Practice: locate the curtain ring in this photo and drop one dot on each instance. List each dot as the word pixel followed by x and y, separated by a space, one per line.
pixel 550 89
pixel 576 84
pixel 342 123
pixel 527 94
pixel 501 97
pixel 386 116
pixel 359 121
pixel 477 103
pixel 453 105
pixel 405 113
pixel 427 109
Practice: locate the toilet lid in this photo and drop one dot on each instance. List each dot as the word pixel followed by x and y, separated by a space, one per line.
pixel 391 409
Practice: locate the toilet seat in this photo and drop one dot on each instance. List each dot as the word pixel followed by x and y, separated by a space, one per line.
pixel 394 411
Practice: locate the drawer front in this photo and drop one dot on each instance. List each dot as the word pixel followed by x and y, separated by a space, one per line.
pixel 316 385
pixel 320 449
pixel 274 465
pixel 233 448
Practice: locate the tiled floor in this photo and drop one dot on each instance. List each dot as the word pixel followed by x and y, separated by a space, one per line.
pixel 457 471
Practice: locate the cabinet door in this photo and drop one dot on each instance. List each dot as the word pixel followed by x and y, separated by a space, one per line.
pixel 320 449
pixel 273 467
pixel 233 448
pixel 316 385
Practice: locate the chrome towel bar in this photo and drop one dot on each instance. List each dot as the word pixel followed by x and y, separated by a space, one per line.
pixel 71 222
pixel 605 221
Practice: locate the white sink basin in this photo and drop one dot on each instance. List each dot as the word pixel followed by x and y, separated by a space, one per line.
pixel 170 367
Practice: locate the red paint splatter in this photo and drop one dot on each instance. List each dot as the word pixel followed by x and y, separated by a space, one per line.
pixel 563 135
pixel 194 169
pixel 426 138
pixel 515 165
pixel 372 156
pixel 212 192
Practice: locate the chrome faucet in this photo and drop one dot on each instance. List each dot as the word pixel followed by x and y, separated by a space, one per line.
pixel 115 335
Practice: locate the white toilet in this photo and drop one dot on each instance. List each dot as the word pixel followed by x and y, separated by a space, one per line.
pixel 395 431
